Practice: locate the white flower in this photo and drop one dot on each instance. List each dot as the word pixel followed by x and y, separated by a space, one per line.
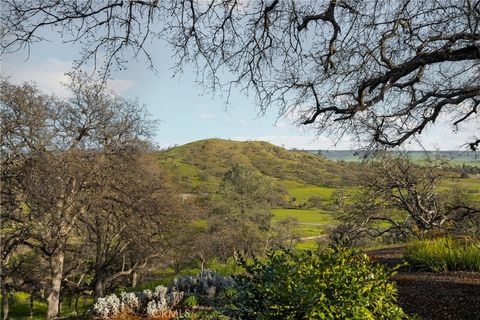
pixel 107 307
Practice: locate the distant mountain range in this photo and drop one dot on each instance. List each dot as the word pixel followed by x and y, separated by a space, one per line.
pixel 456 157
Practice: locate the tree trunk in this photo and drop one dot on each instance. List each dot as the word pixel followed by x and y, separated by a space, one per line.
pixel 4 301
pixel 56 265
pixel 99 284
pixel 76 303
pixel 31 306
pixel 134 279
pixel 99 260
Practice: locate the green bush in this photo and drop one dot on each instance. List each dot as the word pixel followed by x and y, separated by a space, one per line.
pixel 445 254
pixel 190 301
pixel 332 284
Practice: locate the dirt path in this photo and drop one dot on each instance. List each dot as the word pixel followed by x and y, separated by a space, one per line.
pixel 435 296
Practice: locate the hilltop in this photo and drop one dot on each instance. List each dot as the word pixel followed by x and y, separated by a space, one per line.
pixel 199 166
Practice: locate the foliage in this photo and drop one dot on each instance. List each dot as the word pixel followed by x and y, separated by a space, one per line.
pixel 239 220
pixel 284 232
pixel 245 193
pixel 331 284
pixel 190 301
pixel 203 315
pixel 315 202
pixel 445 254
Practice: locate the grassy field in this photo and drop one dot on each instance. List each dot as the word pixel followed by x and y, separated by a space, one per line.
pixel 310 217
pixel 20 307
pixel 306 245
pixel 312 223
pixel 303 193
pixel 471 184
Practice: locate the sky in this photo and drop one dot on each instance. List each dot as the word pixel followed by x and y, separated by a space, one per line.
pixel 185 112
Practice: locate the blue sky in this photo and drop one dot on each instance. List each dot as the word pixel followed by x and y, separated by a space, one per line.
pixel 185 112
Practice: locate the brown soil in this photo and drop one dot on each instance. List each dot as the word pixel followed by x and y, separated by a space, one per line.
pixel 435 296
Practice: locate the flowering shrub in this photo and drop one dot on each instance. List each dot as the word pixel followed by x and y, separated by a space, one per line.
pixel 148 302
pixel 107 307
pixel 130 301
pixel 207 285
pixel 161 300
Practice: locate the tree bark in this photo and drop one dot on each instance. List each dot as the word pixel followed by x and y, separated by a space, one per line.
pixel 134 279
pixel 56 265
pixel 76 303
pixel 99 260
pixel 31 306
pixel 99 284
pixel 5 306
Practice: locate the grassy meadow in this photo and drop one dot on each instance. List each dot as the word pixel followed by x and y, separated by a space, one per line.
pixel 20 308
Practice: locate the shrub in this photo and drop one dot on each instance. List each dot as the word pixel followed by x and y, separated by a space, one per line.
pixel 130 301
pixel 445 254
pixel 207 286
pixel 190 301
pixel 315 202
pixel 203 315
pixel 148 302
pixel 107 307
pixel 332 284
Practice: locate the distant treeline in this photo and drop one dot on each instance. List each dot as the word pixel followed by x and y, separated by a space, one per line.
pixel 456 157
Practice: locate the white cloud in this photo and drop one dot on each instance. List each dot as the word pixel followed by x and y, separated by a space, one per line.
pixel 442 135
pixel 50 75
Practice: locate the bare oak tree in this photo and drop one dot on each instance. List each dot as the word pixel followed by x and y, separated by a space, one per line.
pixel 132 221
pixel 402 199
pixel 23 113
pixel 61 148
pixel 383 71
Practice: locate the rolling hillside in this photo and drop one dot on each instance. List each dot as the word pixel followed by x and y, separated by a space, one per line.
pixel 199 166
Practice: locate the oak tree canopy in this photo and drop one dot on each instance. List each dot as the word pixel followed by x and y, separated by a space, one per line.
pixel 382 71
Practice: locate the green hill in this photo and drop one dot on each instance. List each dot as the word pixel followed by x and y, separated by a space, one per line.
pixel 199 166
